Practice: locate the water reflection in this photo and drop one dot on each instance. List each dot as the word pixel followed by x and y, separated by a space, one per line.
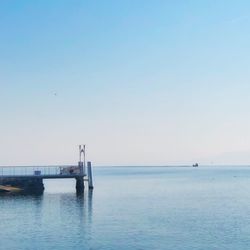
pixel 84 201
pixel 36 198
pixel 90 207
pixel 76 214
pixel 77 206
pixel 52 216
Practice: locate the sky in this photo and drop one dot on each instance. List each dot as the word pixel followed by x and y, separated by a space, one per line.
pixel 139 82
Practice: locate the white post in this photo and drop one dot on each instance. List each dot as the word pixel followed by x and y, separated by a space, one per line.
pixel 84 160
pixel 80 153
pixel 81 164
pixel 90 180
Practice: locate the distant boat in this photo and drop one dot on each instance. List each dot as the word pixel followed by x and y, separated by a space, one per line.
pixel 195 165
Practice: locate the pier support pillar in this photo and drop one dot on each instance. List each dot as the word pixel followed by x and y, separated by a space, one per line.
pixel 79 184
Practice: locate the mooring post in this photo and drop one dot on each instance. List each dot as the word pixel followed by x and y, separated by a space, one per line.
pixel 90 180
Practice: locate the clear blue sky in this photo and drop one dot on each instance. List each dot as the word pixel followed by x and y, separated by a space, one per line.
pixel 140 82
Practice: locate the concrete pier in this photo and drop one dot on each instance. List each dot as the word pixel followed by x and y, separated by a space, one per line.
pixel 30 179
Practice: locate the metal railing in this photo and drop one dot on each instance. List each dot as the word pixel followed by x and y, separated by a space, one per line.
pixel 39 170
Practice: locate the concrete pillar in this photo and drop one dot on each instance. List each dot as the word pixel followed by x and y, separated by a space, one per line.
pixel 79 185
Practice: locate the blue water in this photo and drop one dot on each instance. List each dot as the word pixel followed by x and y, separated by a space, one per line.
pixel 134 208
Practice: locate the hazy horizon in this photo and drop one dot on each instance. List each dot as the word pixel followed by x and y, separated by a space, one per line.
pixel 139 82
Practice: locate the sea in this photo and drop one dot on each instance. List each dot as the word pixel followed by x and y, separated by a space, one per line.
pixel 137 208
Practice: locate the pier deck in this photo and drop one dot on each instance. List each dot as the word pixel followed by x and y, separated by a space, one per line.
pixel 31 178
pixel 44 176
pixel 44 172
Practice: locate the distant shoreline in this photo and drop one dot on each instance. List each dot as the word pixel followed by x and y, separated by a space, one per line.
pixel 171 166
pixel 132 166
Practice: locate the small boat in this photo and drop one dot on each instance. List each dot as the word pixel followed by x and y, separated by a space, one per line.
pixel 195 165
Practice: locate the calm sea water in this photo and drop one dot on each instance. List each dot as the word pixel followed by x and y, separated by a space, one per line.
pixel 134 208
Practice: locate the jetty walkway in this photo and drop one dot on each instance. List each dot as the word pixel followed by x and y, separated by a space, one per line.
pixel 30 179
pixel 45 172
